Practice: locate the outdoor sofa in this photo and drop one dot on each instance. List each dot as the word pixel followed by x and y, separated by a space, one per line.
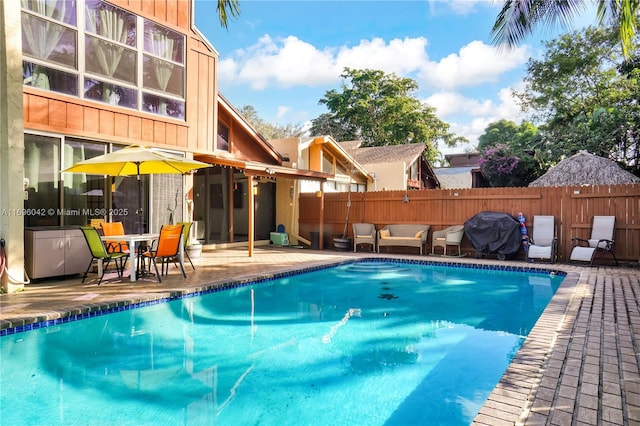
pixel 403 235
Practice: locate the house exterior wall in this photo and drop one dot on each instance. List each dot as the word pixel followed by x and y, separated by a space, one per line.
pixel 388 176
pixel 51 113
pixel 242 145
pixel 57 113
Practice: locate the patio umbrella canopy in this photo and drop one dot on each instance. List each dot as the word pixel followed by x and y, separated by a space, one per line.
pixel 136 161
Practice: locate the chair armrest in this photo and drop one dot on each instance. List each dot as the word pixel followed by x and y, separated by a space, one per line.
pixel 579 242
pixel 608 244
pixel 439 234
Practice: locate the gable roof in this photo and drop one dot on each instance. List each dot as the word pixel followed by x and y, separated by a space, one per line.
pixel 407 153
pixel 585 168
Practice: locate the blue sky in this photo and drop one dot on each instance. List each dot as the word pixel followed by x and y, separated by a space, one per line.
pixel 282 56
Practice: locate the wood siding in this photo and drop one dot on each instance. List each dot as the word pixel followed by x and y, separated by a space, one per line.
pixel 572 207
pixel 243 145
pixel 53 112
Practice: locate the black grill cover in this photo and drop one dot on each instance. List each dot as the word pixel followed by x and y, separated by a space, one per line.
pixel 494 233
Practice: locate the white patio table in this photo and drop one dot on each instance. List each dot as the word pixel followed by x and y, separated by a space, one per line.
pixel 131 240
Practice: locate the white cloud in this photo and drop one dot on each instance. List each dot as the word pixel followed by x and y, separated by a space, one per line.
pixel 460 7
pixel 289 62
pixel 293 62
pixel 475 64
pixel 470 117
pixel 282 112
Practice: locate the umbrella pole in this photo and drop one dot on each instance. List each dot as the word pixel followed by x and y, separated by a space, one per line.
pixel 139 211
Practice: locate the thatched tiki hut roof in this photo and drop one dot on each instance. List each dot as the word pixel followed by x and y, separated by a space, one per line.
pixel 584 168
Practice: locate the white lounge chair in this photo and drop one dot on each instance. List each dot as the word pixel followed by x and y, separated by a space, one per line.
pixel 364 233
pixel 451 236
pixel 601 240
pixel 543 242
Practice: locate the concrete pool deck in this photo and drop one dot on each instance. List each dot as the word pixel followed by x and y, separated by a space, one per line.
pixel 579 365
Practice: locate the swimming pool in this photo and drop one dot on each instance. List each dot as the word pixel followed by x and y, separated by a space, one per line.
pixel 367 343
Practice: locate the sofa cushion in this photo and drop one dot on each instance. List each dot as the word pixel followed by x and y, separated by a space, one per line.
pixel 385 233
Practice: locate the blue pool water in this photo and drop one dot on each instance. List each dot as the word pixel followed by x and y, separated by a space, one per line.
pixel 369 343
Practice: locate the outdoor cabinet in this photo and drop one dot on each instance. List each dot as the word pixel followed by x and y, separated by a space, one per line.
pixel 50 252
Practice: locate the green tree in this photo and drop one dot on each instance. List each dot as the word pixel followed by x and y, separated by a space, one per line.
pixel 269 130
pixel 518 18
pixel 379 109
pixel 585 98
pixel 227 9
pixel 519 137
pixel 509 153
pixel 329 124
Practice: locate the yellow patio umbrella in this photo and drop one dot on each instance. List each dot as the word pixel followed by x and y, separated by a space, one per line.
pixel 136 161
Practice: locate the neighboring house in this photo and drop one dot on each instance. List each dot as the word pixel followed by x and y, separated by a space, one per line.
pixel 243 159
pixel 74 88
pixel 394 167
pixel 463 172
pixel 321 155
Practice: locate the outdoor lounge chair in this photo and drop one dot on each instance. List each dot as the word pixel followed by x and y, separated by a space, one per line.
pixel 364 233
pixel 543 244
pixel 166 248
pixel 99 252
pixel 451 236
pixel 602 240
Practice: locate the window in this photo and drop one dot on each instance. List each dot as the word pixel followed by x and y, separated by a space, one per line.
pixel 49 40
pixel 223 137
pixel 117 66
pixel 327 162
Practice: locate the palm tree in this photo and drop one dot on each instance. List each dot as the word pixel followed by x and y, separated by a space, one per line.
pixel 226 8
pixel 518 18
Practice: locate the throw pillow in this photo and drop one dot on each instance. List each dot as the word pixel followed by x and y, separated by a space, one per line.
pixel 418 234
pixel 385 233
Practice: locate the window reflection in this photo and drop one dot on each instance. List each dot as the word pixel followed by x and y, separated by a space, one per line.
pixel 112 54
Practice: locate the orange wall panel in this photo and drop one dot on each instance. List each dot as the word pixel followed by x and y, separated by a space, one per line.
pixel 107 123
pixel 135 128
pixel 159 133
pixel 75 117
pixel 146 130
pixel 160 10
pixel 38 110
pixel 57 114
pixel 121 123
pixel 171 133
pixel 172 12
pixel 184 13
pixel 91 118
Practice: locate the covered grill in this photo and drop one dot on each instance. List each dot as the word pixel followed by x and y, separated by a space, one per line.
pixel 494 233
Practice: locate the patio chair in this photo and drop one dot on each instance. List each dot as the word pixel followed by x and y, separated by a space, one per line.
pixel 99 252
pixel 186 240
pixel 543 242
pixel 115 228
pixel 166 248
pixel 364 233
pixel 601 240
pixel 451 236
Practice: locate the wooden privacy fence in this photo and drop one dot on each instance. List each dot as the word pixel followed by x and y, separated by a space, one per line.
pixel 573 208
